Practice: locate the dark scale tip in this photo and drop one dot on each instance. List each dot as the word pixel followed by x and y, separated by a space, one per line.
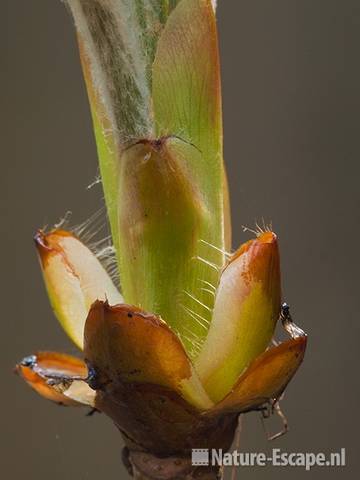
pixel 94 379
pixel 42 246
pixel 285 310
pixel 91 412
pixel 29 361
pixel 39 239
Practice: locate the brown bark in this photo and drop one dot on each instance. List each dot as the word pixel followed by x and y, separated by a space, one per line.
pixel 144 466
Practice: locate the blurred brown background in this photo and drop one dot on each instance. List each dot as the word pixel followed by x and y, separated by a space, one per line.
pixel 291 83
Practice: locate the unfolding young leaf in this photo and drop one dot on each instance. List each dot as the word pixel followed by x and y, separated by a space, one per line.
pixel 247 306
pixel 74 279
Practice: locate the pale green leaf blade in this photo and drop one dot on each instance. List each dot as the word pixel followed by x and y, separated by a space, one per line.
pixel 187 106
pixel 163 216
pixel 117 41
